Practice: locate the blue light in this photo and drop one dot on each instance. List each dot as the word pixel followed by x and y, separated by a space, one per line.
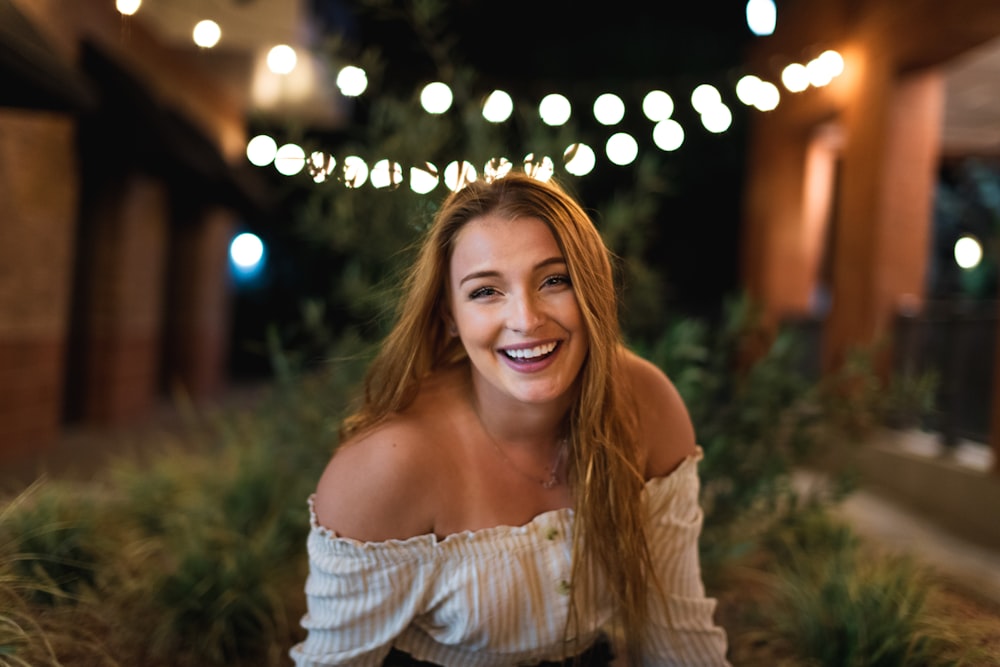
pixel 246 255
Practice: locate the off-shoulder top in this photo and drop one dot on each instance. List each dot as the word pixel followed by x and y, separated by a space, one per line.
pixel 498 597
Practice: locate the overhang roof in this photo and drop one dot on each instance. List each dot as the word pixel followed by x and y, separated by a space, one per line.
pixel 33 75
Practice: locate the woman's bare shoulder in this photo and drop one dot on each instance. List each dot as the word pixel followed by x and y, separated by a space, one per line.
pixel 665 429
pixel 378 485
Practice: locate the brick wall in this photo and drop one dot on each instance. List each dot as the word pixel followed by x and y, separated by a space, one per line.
pixel 38 202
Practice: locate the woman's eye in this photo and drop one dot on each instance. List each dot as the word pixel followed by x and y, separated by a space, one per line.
pixel 482 292
pixel 557 280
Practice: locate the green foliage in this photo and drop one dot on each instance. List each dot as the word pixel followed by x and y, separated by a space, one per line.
pixel 833 603
pixel 52 541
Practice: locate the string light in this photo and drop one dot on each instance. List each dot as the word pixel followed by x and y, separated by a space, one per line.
pixel 206 33
pixel 281 59
pixel 554 110
pixel 128 7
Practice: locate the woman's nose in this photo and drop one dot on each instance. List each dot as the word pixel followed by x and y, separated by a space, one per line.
pixel 524 314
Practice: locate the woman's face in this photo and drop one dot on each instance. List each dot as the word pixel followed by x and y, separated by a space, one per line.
pixel 515 310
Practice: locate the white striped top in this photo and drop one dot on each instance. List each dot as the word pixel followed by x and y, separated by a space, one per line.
pixel 498 597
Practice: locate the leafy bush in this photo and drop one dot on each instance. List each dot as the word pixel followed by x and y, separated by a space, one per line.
pixel 823 598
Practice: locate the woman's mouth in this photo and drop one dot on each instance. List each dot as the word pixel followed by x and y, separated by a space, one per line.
pixel 527 355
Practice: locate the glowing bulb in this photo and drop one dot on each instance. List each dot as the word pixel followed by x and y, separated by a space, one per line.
pixel 795 77
pixel 657 105
pixel 767 96
pixel 128 7
pixel 261 150
pixel 554 110
pixel 717 119
pixel 622 148
pixel 498 107
pixel 609 109
pixel 833 62
pixel 541 169
pixel 207 34
pixel 354 171
pixel 281 59
pixel 747 88
pixel 459 174
pixel 968 252
pixel 579 159
pixel 352 81
pixel 436 97
pixel 386 174
pixel 246 250
pixel 290 159
pixel 320 166
pixel 668 135
pixel 762 16
pixel 496 168
pixel 424 179
pixel 704 97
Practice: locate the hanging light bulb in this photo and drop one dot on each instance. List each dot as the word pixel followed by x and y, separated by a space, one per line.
pixel 762 16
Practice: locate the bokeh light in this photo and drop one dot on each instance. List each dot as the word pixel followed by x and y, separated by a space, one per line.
pixel 424 179
pixel 762 17
pixel 657 105
pixel 354 171
pixel 281 59
pixel 609 109
pixel 540 168
pixel 386 174
pixel 459 174
pixel 261 150
pixel 968 252
pixel 246 256
pixel 436 97
pixel 321 166
pixel 668 135
pixel 622 148
pixel 795 77
pixel 498 106
pixel 496 168
pixel 128 7
pixel 352 81
pixel 579 159
pixel 207 33
pixel 555 110
pixel 289 159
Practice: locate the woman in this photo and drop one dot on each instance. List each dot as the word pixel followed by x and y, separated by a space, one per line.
pixel 516 487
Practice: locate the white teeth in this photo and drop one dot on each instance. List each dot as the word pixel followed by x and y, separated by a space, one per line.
pixel 531 353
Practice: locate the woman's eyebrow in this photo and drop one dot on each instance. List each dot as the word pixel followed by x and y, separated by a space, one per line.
pixel 496 274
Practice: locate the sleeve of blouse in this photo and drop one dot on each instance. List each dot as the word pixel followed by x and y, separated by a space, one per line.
pixel 681 630
pixel 360 597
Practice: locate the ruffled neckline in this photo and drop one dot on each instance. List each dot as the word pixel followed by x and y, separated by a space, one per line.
pixel 543 523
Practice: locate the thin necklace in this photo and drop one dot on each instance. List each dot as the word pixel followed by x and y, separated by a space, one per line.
pixel 549 482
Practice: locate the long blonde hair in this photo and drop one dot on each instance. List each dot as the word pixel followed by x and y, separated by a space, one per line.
pixel 604 461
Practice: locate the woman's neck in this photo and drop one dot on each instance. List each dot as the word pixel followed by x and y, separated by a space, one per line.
pixel 514 422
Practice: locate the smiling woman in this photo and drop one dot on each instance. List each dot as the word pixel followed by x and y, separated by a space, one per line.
pixel 516 487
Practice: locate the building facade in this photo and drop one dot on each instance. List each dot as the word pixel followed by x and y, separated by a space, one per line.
pixel 841 179
pixel 118 199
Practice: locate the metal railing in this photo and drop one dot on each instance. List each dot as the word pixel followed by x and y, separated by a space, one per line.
pixel 956 341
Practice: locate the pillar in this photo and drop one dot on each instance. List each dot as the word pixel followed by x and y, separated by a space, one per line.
pixel 882 232
pixel 39 193
pixel 123 300
pixel 199 309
